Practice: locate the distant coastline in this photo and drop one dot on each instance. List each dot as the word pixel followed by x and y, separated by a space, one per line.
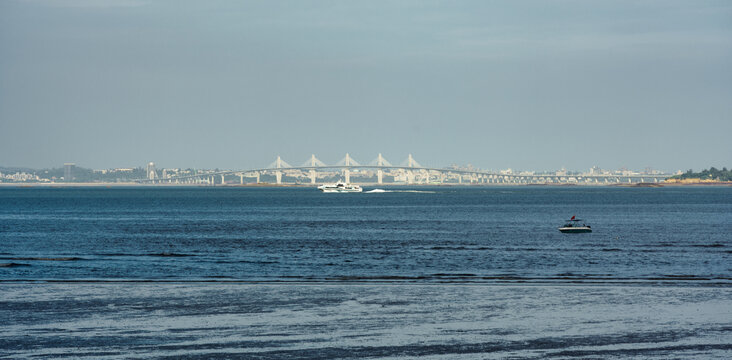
pixel 673 182
pixel 711 176
pixel 695 181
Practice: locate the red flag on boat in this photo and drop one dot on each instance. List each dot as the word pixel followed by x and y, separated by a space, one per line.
pixel 572 217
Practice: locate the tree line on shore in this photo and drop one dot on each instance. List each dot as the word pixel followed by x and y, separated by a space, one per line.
pixel 709 174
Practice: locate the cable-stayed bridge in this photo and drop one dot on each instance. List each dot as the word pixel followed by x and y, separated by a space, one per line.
pixel 379 169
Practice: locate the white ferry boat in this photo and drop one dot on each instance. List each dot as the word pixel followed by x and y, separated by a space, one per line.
pixel 340 187
pixel 574 225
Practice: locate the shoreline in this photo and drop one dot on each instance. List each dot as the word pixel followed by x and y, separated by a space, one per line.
pixel 267 185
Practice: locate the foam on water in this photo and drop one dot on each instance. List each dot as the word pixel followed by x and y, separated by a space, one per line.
pixel 379 191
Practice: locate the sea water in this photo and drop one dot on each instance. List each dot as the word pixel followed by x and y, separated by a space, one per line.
pixel 417 234
pixel 408 273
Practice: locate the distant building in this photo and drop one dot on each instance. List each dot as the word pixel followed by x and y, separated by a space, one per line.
pixel 151 171
pixel 69 171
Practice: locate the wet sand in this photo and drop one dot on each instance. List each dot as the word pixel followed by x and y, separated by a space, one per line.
pixel 345 320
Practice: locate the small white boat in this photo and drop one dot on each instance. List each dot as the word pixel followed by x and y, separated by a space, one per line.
pixel 340 187
pixel 575 225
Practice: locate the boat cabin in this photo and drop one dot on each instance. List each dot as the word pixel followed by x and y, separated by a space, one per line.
pixel 575 225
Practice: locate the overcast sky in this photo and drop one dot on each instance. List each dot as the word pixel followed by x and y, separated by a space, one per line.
pixel 498 84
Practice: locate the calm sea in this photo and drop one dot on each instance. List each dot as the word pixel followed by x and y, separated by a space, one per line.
pixel 419 234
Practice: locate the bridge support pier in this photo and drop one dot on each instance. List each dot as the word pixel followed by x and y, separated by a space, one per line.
pixel 380 176
pixel 410 177
pixel 257 177
pixel 241 179
pixel 223 182
pixel 278 175
pixel 312 176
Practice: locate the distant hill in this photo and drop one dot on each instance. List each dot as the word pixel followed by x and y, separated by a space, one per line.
pixel 710 174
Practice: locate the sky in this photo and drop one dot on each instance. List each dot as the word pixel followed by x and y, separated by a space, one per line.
pixel 527 85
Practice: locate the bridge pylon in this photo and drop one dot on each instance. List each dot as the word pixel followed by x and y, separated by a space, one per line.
pixel 347 162
pixel 410 162
pixel 379 162
pixel 348 171
pixel 313 163
pixel 278 174
pixel 279 164
pixel 380 172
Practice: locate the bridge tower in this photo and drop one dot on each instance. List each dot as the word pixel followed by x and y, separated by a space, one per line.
pixel 278 173
pixel 380 172
pixel 313 174
pixel 347 171
pixel 410 173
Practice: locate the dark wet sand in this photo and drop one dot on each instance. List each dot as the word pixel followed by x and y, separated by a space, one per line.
pixel 343 320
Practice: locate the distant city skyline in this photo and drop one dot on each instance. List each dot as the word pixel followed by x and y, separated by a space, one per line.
pixel 380 171
pixel 535 85
pixel 147 166
pixel 151 168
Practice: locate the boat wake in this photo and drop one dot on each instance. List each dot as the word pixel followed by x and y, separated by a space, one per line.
pixel 378 191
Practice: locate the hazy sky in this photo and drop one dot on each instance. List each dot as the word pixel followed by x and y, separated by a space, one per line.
pixel 232 84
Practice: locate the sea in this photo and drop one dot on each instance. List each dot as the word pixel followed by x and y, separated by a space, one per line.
pixel 407 272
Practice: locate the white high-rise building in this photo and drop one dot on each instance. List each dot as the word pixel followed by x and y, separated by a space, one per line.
pixel 151 171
